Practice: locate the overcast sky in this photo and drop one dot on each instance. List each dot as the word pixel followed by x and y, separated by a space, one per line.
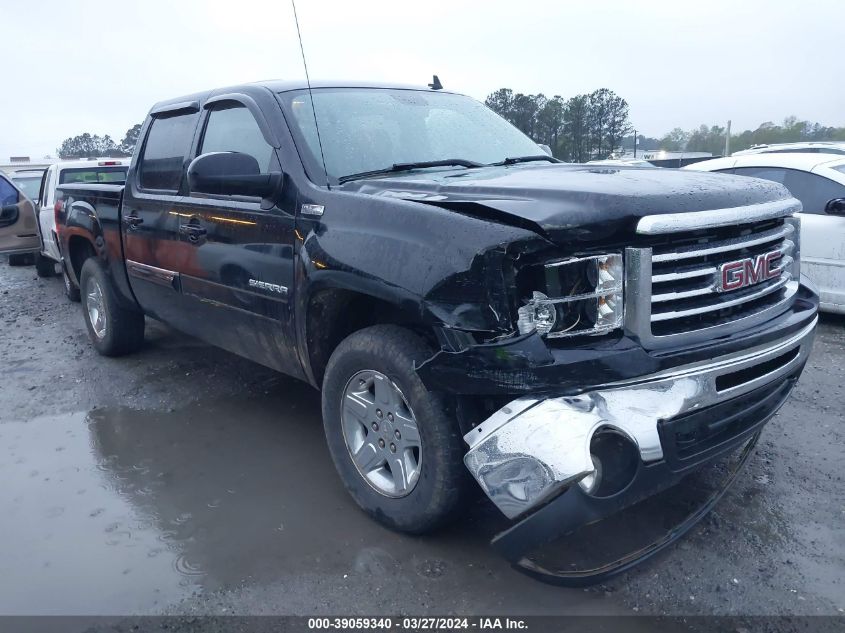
pixel 73 66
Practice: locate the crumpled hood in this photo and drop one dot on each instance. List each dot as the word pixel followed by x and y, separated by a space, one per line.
pixel 570 202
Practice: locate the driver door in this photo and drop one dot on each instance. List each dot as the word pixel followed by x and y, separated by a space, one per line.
pixel 18 230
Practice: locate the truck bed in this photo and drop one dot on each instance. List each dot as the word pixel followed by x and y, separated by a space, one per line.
pixel 91 213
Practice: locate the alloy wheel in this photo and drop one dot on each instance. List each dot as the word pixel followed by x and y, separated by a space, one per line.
pixel 381 433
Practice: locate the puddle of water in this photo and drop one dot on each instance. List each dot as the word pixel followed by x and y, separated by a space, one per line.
pixel 123 511
pixel 70 544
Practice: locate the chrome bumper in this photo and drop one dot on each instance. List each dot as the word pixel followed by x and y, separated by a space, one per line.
pixel 532 449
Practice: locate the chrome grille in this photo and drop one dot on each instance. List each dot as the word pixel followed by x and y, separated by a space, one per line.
pixel 673 288
pixel 685 289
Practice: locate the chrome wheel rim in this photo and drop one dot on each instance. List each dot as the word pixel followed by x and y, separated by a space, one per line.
pixel 96 308
pixel 381 433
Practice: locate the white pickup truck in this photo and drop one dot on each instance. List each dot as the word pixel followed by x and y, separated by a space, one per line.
pixel 90 171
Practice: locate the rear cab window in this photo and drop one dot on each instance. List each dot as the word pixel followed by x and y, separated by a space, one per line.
pixel 167 144
pixel 93 175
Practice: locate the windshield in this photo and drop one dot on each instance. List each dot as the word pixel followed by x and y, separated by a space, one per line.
pixel 365 129
pixel 29 184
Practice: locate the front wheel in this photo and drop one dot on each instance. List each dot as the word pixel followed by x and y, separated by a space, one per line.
pixel 397 451
pixel 113 330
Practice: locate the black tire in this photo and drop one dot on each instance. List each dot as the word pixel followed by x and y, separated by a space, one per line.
pixel 44 266
pixel 20 260
pixel 71 291
pixel 443 485
pixel 124 329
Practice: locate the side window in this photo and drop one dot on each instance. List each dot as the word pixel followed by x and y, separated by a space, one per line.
pixel 233 129
pixel 775 174
pixel 168 142
pixel 8 194
pixel 812 190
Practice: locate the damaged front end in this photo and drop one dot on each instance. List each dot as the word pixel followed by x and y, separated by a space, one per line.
pixel 587 413
pixel 557 463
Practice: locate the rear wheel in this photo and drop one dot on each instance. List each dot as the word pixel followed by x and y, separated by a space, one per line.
pixel 113 330
pixel 44 266
pixel 397 451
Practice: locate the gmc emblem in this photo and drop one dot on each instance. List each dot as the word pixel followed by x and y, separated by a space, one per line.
pixel 748 271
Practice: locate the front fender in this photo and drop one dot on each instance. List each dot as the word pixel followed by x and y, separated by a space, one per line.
pixel 447 268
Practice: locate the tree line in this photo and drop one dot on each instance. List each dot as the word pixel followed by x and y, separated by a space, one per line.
pixel 581 128
pixel 596 126
pixel 88 145
pixel 712 138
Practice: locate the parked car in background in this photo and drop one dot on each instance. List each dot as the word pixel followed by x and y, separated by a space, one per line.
pixel 809 147
pixel 18 233
pixel 90 171
pixel 28 181
pixel 630 162
pixel 818 181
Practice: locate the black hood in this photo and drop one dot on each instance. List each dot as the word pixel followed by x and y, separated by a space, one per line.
pixel 573 202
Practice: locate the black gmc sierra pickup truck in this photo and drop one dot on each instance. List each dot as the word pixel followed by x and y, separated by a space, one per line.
pixel 574 338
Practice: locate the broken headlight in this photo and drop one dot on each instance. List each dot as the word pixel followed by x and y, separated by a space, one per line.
pixel 581 295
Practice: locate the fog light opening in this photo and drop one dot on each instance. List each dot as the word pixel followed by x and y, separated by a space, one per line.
pixel 615 458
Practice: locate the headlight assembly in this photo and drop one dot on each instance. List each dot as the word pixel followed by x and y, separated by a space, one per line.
pixel 581 295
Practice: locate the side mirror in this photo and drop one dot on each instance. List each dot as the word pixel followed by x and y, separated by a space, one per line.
pixel 546 148
pixel 835 206
pixel 230 174
pixel 8 214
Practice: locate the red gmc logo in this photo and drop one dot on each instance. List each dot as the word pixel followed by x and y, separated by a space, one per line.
pixel 749 271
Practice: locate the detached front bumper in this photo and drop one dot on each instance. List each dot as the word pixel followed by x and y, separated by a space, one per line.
pixel 558 463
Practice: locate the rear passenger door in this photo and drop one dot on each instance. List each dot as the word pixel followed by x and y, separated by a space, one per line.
pixel 240 279
pixel 149 220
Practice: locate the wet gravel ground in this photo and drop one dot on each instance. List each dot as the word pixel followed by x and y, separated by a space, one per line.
pixel 185 480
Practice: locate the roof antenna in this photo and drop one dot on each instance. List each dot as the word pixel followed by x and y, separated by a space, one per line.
pixel 311 95
pixel 434 85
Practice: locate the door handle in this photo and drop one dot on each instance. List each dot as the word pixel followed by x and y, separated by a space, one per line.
pixel 193 231
pixel 133 220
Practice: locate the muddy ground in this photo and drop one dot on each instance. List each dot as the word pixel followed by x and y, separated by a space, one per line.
pixel 185 480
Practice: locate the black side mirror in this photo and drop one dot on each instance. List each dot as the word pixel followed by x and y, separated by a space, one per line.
pixel 230 174
pixel 835 206
pixel 8 214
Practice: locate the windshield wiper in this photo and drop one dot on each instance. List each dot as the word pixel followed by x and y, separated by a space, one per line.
pixel 525 159
pixel 396 167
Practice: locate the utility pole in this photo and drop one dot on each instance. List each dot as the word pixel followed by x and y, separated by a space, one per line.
pixel 728 140
pixel 635 143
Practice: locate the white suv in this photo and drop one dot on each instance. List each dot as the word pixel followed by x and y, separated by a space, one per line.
pixel 95 170
pixel 818 181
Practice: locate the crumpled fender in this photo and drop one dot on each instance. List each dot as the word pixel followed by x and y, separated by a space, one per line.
pixel 451 269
